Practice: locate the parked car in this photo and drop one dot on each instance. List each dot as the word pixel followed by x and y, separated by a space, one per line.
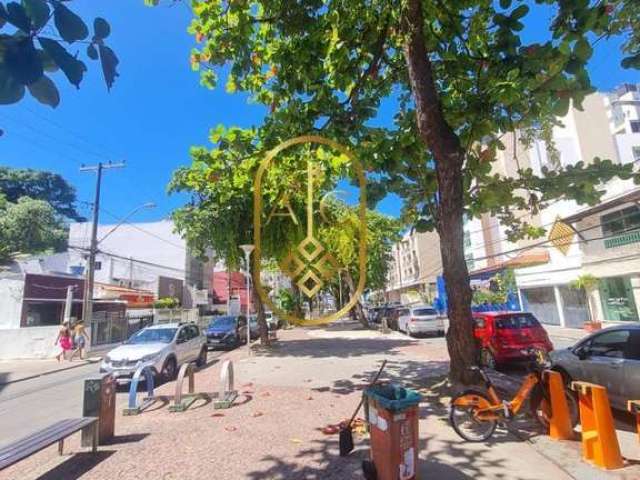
pixel 168 346
pixel 227 331
pixel 609 357
pixel 272 320
pixel 392 314
pixel 420 319
pixel 508 337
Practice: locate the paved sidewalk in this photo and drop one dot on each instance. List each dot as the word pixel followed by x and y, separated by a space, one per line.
pixel 309 379
pixel 12 371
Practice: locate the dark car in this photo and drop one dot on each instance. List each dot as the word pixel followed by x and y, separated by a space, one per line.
pixel 609 357
pixel 505 337
pixel 227 331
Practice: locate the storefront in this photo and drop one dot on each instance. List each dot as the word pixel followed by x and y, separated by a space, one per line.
pixel 617 298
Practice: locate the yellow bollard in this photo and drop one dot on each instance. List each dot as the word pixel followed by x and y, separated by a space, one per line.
pixel 599 440
pixel 634 407
pixel 560 422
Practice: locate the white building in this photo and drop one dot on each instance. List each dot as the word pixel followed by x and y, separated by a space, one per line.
pixel 602 241
pixel 415 264
pixel 149 256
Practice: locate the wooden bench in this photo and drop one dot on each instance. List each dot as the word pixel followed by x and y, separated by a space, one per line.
pixel 46 437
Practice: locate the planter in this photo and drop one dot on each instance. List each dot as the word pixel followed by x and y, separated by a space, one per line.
pixel 592 326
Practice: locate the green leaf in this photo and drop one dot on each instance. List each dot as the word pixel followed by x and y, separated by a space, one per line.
pixel 423 225
pixel 70 26
pixel 17 16
pixel 519 12
pixel 505 3
pixel 38 11
pixel 582 50
pixel 109 63
pixel 92 52
pixel 45 91
pixel 10 90
pixel 631 62
pixel 573 66
pixel 22 60
pixel 561 108
pixel 101 28
pixel 72 67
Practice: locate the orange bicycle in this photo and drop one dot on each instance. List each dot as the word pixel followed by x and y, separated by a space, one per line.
pixel 475 413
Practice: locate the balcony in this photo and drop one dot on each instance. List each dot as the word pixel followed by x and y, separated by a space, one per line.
pixel 620 240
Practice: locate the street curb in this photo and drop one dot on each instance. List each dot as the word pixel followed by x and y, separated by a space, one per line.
pixel 50 372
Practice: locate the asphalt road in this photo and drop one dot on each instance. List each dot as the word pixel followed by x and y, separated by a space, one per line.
pixel 34 404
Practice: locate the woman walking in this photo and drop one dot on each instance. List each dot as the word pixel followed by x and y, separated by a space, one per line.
pixel 64 340
pixel 80 338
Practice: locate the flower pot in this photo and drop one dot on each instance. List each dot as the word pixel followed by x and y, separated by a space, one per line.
pixel 592 326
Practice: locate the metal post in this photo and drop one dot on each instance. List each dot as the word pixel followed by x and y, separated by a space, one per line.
pixel 68 304
pixel 247 256
pixel 87 303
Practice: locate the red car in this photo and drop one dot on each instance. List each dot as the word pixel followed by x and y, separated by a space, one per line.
pixel 505 337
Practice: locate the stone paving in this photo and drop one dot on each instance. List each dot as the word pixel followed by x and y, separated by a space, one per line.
pixel 310 378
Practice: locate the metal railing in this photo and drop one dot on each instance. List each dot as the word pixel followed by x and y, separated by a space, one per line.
pixel 625 239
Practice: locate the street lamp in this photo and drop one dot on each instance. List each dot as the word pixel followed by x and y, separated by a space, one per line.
pixel 247 249
pixel 127 217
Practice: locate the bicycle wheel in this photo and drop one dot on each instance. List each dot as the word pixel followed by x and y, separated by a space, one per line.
pixel 463 419
pixel 540 407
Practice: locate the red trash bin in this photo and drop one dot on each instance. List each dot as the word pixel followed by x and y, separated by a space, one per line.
pixel 393 422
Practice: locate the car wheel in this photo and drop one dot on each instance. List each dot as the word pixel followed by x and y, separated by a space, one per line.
pixel 169 369
pixel 202 358
pixel 487 359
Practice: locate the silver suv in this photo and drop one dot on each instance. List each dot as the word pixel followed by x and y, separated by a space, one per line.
pixel 609 357
pixel 168 346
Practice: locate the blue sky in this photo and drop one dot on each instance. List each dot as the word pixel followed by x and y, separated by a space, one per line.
pixel 156 111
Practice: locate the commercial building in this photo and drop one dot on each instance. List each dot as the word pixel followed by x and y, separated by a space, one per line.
pixel 599 243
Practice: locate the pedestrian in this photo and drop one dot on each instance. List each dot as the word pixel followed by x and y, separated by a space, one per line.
pixel 64 340
pixel 80 338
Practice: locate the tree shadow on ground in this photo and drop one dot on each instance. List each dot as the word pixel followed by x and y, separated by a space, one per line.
pixel 77 465
pixel 321 461
pixel 334 347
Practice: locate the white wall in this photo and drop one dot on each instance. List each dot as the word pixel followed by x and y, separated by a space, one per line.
pixel 32 342
pixel 11 294
pixel 153 242
pixel 625 144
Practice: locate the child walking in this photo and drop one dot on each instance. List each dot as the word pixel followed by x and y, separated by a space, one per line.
pixel 64 340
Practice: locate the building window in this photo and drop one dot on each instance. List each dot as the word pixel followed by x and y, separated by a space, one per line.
pixel 636 153
pixel 97 265
pixel 635 126
pixel 621 221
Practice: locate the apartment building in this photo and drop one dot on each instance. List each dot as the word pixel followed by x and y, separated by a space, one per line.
pixel 601 241
pixel 414 267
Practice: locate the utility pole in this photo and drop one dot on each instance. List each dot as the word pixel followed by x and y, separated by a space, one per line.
pixel 87 302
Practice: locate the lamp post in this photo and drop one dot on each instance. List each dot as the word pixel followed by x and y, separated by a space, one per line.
pixel 247 249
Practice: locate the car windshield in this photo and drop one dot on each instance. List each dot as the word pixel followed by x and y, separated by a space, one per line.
pixel 403 311
pixel 222 322
pixel 514 322
pixel 419 312
pixel 154 335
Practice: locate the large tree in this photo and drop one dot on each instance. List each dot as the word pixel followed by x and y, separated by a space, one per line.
pixel 29 226
pixel 36 37
pixel 40 185
pixel 454 77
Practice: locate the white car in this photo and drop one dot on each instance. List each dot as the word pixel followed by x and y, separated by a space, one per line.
pixel 420 320
pixel 168 346
pixel 272 320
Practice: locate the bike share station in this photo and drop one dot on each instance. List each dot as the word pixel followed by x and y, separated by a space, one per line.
pixel 599 439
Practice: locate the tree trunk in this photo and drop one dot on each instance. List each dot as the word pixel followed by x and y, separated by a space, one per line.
pixel 262 321
pixel 357 310
pixel 448 155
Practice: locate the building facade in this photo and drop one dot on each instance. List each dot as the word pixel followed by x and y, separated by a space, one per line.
pixel 146 256
pixel 600 243
pixel 415 264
